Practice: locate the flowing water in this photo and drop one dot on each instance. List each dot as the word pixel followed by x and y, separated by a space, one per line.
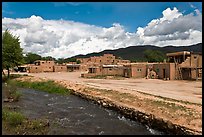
pixel 74 115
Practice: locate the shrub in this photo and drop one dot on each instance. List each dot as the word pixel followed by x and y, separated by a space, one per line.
pixel 12 118
pixel 47 86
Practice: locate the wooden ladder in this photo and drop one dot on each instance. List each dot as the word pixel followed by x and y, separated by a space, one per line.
pixel 178 71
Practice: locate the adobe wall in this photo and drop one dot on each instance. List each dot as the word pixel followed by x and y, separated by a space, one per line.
pixel 195 61
pixel 138 70
pixel 172 71
pixel 159 69
pixel 48 68
pixel 35 69
pixel 200 61
pixel 193 74
pixel 60 68
pixel 73 68
pixel 113 71
pixel 83 67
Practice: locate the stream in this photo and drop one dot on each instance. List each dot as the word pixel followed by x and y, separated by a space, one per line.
pixel 72 115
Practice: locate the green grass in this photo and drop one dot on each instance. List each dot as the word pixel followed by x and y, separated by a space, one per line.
pixel 12 90
pixel 12 118
pixel 16 123
pixel 46 86
pixel 16 95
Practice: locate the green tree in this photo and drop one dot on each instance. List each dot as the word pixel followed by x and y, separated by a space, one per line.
pixel 30 58
pixel 48 58
pixel 154 56
pixel 12 53
pixel 60 60
pixel 78 61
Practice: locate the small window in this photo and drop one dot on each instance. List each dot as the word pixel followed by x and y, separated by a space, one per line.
pixel 42 62
pixel 61 67
pixel 110 68
pixel 49 62
pixel 49 67
pixel 139 70
pixel 36 68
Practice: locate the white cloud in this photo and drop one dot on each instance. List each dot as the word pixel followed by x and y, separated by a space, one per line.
pixel 60 38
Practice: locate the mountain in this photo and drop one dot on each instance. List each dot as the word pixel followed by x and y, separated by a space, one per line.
pixel 137 52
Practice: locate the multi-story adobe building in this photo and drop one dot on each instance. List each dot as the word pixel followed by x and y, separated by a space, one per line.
pixel 181 65
pixel 46 66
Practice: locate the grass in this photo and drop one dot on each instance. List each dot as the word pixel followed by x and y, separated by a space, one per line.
pixel 168 105
pixel 16 95
pixel 12 91
pixel 16 123
pixel 46 86
pixel 12 118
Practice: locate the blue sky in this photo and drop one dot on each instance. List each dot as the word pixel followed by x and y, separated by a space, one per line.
pixel 129 14
pixel 65 29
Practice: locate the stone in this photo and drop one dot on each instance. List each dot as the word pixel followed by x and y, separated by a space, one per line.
pixel 104 104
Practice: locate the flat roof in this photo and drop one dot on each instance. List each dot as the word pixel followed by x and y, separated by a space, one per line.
pixel 73 65
pixel 111 66
pixel 178 53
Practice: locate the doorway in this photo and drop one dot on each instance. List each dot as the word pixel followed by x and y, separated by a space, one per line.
pixel 164 73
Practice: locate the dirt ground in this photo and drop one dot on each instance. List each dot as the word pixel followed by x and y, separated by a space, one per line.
pixel 181 90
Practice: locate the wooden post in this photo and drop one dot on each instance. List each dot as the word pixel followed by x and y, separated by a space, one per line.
pixel 196 68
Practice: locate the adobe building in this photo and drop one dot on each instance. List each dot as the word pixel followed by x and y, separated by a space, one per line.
pixel 46 66
pixel 135 70
pixel 73 67
pixel 104 70
pixel 106 59
pixel 41 66
pixel 188 65
pixel 182 65
pixel 60 68
pixel 164 71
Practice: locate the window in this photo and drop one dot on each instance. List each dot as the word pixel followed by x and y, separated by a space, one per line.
pixel 36 68
pixel 61 67
pixel 139 70
pixel 49 62
pixel 42 62
pixel 49 67
pixel 110 68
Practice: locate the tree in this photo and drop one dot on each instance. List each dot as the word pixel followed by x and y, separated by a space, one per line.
pixel 30 58
pixel 78 61
pixel 154 56
pixel 48 58
pixel 60 60
pixel 12 53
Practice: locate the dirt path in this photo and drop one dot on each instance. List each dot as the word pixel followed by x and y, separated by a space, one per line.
pixel 181 90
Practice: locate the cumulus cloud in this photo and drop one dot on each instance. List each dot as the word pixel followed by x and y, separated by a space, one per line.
pixel 63 38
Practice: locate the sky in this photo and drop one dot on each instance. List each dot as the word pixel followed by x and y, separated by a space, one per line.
pixel 65 29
